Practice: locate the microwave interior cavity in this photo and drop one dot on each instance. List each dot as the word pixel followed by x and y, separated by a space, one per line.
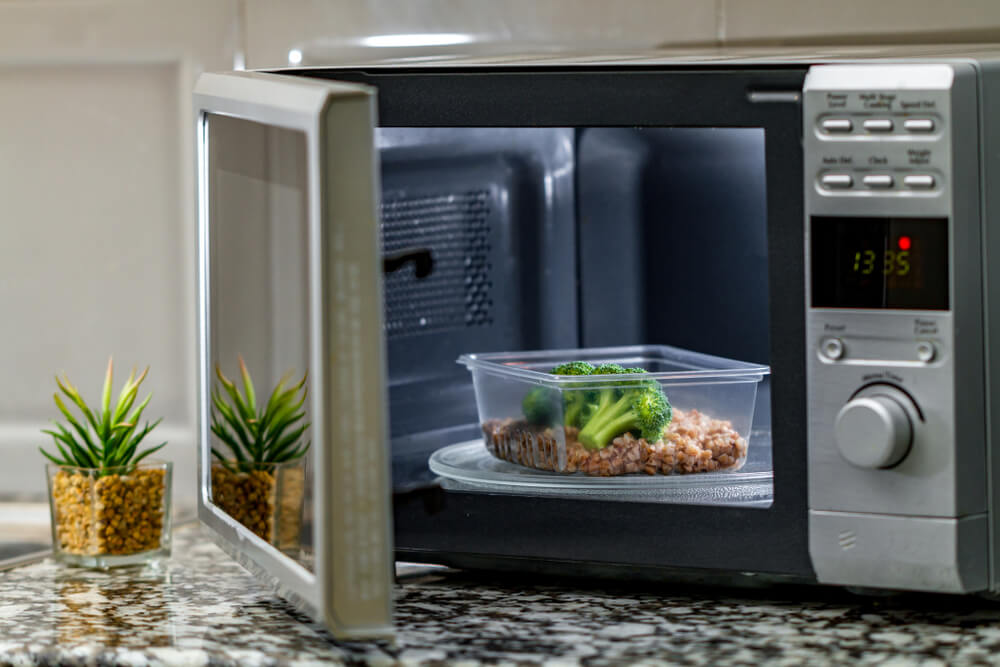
pixel 527 238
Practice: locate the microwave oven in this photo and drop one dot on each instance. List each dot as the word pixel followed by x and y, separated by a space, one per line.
pixel 829 216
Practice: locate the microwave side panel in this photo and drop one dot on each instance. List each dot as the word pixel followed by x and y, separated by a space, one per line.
pixel 283 165
pixel 989 101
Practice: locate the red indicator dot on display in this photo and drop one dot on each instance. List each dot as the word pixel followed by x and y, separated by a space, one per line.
pixel 904 242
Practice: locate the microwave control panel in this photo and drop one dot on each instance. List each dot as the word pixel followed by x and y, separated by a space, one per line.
pixel 895 398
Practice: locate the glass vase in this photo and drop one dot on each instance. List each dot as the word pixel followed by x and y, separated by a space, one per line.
pixel 267 498
pixel 108 517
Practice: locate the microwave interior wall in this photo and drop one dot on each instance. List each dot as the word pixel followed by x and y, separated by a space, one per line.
pixel 559 238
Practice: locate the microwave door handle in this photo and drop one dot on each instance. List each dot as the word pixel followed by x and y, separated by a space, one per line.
pixel 421 257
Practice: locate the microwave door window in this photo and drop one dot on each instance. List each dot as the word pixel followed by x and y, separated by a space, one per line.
pixel 261 440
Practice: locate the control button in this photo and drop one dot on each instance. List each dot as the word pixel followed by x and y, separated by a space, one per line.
pixel 878 180
pixel 832 348
pixel 878 125
pixel 837 180
pixel 919 125
pixel 873 432
pixel 837 124
pixel 926 351
pixel 919 181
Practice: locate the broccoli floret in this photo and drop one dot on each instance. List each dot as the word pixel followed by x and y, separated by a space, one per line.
pixel 599 399
pixel 575 405
pixel 574 401
pixel 540 405
pixel 605 412
pixel 643 408
pixel 573 368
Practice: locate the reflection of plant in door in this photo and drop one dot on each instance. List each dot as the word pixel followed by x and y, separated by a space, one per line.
pixel 261 483
pixel 104 502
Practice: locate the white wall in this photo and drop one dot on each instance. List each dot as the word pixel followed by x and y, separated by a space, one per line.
pixel 97 211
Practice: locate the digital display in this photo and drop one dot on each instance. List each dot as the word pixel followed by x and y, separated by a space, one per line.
pixel 899 263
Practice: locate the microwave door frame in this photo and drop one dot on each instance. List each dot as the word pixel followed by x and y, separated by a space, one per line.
pixel 508 531
pixel 338 121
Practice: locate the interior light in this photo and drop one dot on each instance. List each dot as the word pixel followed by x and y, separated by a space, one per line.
pixel 417 39
pixel 295 57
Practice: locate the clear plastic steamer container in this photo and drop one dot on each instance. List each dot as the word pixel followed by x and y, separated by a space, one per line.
pixel 712 399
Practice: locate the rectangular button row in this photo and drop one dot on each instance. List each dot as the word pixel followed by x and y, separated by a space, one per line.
pixel 844 125
pixel 878 181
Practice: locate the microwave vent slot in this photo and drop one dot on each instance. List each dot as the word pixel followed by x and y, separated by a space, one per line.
pixel 455 227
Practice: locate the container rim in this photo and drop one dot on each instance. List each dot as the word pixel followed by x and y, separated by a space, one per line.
pixel 701 366
pixel 145 464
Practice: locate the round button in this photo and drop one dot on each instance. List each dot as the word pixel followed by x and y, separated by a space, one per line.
pixel 873 432
pixel 832 348
pixel 926 351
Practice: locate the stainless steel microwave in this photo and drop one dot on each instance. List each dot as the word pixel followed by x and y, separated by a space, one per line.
pixel 832 217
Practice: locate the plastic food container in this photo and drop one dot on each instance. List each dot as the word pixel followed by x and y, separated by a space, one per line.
pixel 712 401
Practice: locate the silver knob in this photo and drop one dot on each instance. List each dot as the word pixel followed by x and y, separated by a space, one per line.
pixel 873 432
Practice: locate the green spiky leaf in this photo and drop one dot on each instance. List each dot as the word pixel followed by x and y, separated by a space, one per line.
pixel 63 462
pixel 248 388
pixel 237 399
pixel 270 434
pixel 106 437
pixel 149 451
pixel 74 395
pixel 56 439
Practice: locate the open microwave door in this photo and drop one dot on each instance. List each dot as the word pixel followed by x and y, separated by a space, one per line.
pixel 294 472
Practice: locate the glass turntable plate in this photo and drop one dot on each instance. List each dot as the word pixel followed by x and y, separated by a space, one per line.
pixel 468 465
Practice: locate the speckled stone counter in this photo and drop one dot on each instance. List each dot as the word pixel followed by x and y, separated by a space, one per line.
pixel 203 609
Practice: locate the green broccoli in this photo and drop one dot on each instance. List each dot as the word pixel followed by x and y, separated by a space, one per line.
pixel 640 407
pixel 573 368
pixel 540 405
pixel 598 399
pixel 574 401
pixel 605 412
pixel 612 369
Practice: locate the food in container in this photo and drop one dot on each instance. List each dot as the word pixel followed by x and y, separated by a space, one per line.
pixel 615 411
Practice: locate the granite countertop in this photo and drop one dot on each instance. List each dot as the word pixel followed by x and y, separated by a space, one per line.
pixel 201 608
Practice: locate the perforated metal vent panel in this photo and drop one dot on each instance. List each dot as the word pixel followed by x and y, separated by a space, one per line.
pixel 455 227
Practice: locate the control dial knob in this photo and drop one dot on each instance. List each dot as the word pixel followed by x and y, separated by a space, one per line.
pixel 875 431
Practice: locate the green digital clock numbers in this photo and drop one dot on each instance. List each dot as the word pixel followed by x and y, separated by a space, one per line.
pixel 867 262
pixel 894 263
